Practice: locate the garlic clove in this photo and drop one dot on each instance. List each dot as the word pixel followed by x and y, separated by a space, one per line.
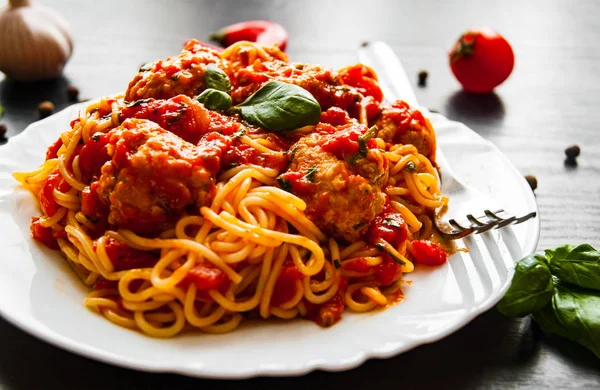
pixel 35 42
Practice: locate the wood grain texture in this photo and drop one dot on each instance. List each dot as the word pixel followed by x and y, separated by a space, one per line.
pixel 551 100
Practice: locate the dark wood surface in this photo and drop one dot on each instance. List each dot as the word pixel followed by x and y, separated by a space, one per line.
pixel 551 100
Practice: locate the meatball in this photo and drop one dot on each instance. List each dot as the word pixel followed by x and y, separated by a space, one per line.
pixel 180 115
pixel 153 176
pixel 402 124
pixel 340 184
pixel 183 74
pixel 343 89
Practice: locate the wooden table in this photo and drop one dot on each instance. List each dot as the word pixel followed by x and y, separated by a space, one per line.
pixel 552 100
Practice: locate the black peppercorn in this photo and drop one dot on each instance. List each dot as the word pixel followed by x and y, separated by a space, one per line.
pixel 532 181
pixel 2 131
pixel 72 94
pixel 46 108
pixel 572 152
pixel 423 78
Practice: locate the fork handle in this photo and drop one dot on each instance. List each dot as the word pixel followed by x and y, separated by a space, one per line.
pixel 392 77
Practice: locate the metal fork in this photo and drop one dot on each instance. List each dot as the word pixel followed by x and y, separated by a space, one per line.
pixel 456 221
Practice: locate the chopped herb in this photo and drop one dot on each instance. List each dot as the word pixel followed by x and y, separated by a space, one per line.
pixel 1 111
pixel 410 167
pixel 392 222
pixel 382 248
pixel 175 77
pixel 239 133
pixel 359 225
pixel 284 184
pixel 232 164
pixel 353 159
pixel 293 153
pixel 362 140
pixel 145 67
pixel 96 137
pixel 310 174
pixel 337 264
pixel 138 102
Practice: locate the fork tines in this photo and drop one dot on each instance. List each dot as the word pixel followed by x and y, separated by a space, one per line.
pixel 487 222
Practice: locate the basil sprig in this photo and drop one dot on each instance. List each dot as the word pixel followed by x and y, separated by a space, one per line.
pixel 216 78
pixel 561 290
pixel 531 288
pixel 278 106
pixel 578 265
pixel 574 313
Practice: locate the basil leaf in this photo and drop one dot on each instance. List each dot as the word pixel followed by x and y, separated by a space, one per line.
pixel 214 99
pixel 531 288
pixel 574 314
pixel 216 78
pixel 579 265
pixel 278 106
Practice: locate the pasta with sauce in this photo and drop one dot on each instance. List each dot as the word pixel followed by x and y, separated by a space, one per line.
pixel 180 217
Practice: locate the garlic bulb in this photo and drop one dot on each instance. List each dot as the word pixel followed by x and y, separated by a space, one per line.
pixel 34 41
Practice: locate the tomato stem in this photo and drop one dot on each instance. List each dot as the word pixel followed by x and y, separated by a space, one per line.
pixel 464 47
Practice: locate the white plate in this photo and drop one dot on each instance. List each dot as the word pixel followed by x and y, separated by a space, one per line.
pixel 40 294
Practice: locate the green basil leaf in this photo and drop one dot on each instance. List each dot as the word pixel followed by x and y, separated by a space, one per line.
pixel 531 288
pixel 579 265
pixel 278 106
pixel 214 99
pixel 574 313
pixel 216 78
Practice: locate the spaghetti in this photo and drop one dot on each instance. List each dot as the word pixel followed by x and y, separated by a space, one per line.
pixel 179 217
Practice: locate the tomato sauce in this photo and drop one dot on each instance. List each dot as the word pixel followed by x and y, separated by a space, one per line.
pixel 52 151
pixel 330 312
pixel 43 234
pixel 47 201
pixel 285 286
pixel 93 155
pixel 346 141
pixel 402 114
pixel 124 257
pixel 388 226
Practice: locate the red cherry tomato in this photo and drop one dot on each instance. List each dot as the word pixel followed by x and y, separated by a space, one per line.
pixel 426 252
pixel 481 60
